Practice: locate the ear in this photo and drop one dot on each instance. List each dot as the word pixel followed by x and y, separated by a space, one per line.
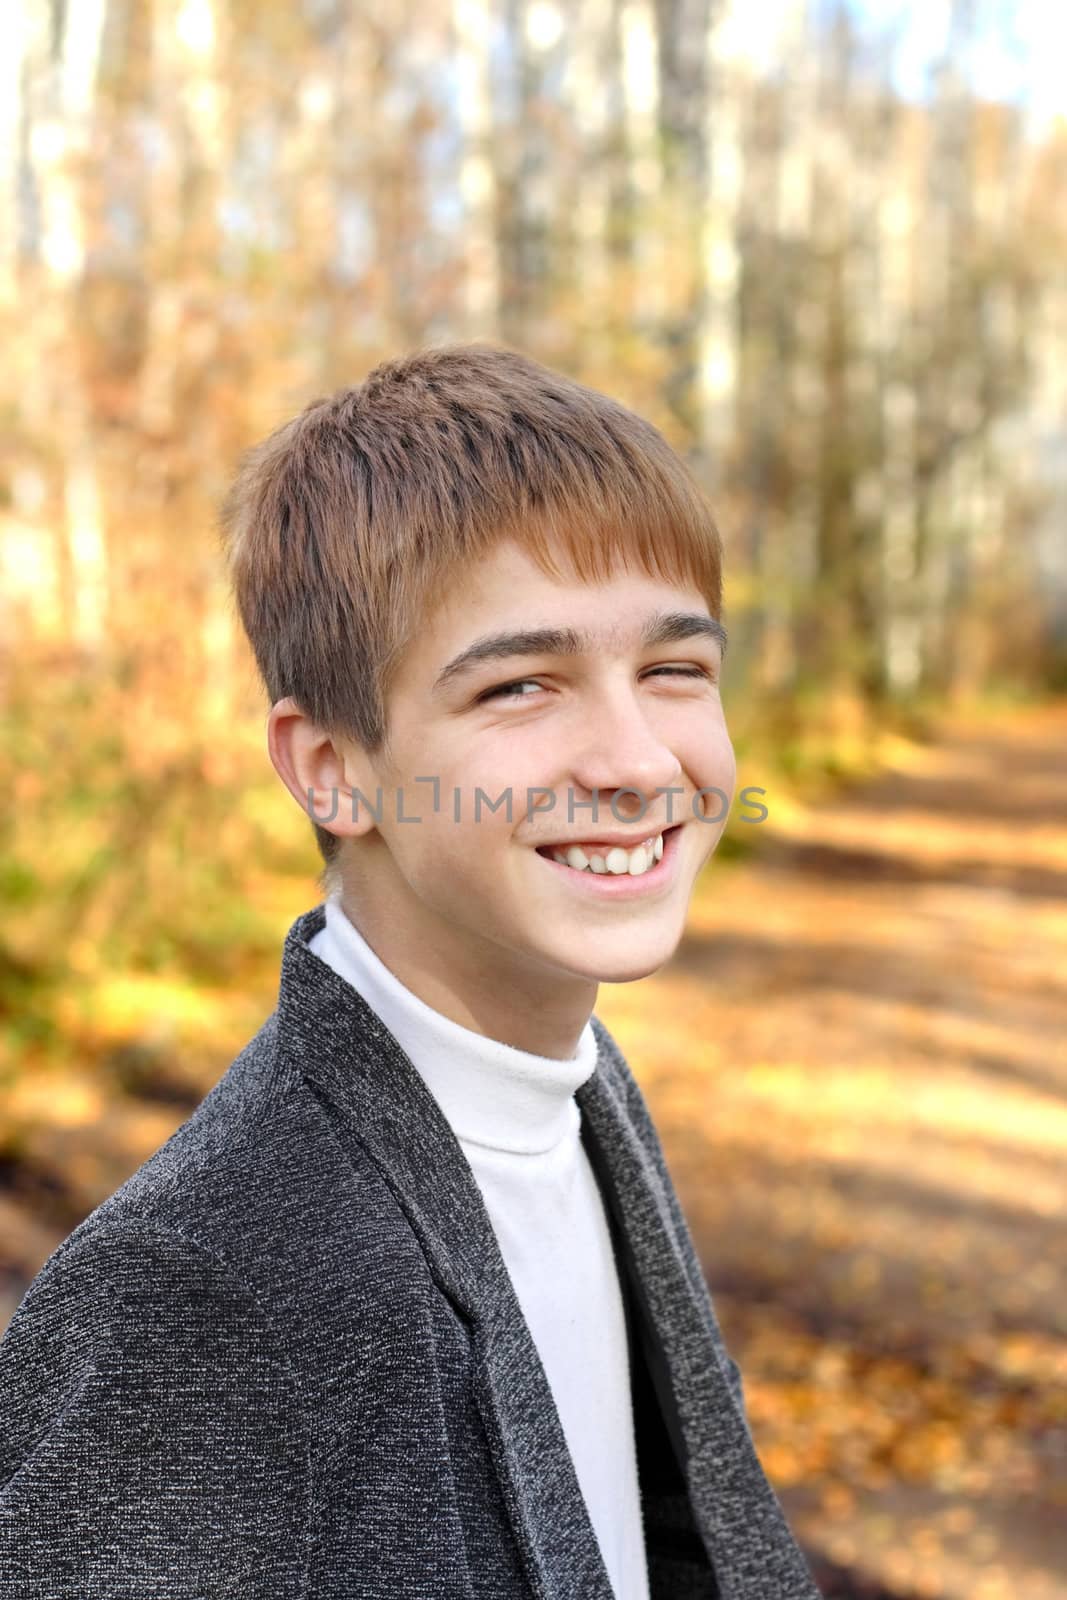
pixel 320 770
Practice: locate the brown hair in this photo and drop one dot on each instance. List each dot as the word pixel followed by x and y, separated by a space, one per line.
pixel 343 527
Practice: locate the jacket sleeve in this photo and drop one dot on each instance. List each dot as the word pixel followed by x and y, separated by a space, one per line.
pixel 151 1441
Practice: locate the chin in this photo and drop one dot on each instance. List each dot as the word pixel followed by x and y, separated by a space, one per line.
pixel 626 967
pixel 632 972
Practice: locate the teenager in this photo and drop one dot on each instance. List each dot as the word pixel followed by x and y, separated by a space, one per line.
pixel 409 1307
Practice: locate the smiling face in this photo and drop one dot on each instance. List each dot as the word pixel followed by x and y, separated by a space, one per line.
pixel 475 915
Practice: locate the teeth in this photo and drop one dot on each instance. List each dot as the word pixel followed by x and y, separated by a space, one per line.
pixel 617 861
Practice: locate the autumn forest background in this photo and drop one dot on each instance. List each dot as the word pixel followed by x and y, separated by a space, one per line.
pixel 823 246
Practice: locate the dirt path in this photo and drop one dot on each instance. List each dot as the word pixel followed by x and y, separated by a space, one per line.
pixel 871 1145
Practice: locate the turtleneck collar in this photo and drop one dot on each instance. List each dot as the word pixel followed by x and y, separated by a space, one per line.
pixel 491 1093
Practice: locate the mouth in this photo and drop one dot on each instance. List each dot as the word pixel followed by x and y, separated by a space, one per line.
pixel 614 872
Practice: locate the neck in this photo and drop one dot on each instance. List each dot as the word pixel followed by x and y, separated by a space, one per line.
pixel 542 1013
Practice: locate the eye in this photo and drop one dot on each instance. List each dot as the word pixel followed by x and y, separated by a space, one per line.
pixel 506 691
pixel 683 672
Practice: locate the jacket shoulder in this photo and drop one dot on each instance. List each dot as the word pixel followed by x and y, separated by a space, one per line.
pixel 138 1373
pixel 257 1178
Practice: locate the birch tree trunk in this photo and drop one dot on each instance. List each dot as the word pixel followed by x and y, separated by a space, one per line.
pixel 63 68
pixel 898 222
pixel 834 600
pixel 640 78
pixel 15 24
pixel 588 93
pixel 965 512
pixel 780 426
pixel 535 33
pixel 681 49
pixel 720 263
pixel 472 33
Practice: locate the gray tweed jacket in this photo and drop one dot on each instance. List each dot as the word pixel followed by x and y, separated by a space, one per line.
pixel 286 1360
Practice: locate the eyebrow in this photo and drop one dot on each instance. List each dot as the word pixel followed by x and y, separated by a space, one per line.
pixel 663 627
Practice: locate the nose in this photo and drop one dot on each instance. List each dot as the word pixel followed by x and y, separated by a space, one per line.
pixel 624 751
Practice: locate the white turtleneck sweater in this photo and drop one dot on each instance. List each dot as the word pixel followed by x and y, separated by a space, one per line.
pixel 519 1125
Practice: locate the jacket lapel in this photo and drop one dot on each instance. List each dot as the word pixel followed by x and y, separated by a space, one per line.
pixel 385 1110
pixel 752 1550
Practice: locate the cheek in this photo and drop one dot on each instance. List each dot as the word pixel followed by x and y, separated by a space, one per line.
pixel 447 862
pixel 709 757
pixel 729 761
